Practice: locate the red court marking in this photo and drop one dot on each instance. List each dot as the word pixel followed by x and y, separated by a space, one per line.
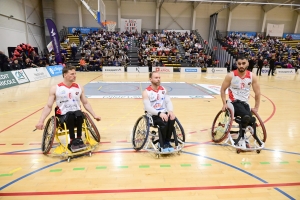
pixel 192 132
pixel 2 144
pixel 104 142
pixel 122 141
pixel 95 78
pixel 17 144
pixel 228 187
pixel 274 109
pixel 20 120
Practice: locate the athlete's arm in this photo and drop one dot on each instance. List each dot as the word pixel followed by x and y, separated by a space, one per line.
pixel 147 104
pixel 225 85
pixel 47 109
pixel 88 106
pixel 256 89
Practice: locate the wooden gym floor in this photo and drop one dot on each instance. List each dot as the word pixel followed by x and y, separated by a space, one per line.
pixel 116 171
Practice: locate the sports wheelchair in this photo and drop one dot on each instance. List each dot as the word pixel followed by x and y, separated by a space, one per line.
pixel 55 129
pixel 145 135
pixel 253 139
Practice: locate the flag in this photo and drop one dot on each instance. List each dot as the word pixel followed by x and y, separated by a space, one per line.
pixel 55 39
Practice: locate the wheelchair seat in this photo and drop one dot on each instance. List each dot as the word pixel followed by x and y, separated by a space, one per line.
pixel 145 135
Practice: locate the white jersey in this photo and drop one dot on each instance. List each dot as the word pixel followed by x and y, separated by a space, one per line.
pixel 157 98
pixel 67 98
pixel 240 87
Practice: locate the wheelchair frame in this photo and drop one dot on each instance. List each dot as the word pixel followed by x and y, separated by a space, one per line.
pixel 149 144
pixel 52 130
pixel 224 126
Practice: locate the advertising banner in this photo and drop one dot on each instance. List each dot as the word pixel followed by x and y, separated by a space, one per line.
pixel 55 70
pixel 35 74
pixel 215 70
pixel 190 70
pixel 285 71
pixel 163 69
pixel 137 69
pixel 295 36
pixel 113 69
pixel 55 39
pixel 7 80
pixel 264 71
pixel 20 76
pixel 83 30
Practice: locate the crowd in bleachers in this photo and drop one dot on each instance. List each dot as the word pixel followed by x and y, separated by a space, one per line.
pixel 286 53
pixel 104 48
pixel 161 49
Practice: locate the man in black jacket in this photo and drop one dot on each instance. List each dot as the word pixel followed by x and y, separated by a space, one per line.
pixel 272 66
pixel 260 64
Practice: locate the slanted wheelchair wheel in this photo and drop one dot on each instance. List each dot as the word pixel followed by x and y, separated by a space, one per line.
pixel 140 132
pixel 92 127
pixel 179 131
pixel 221 125
pixel 48 135
pixel 260 127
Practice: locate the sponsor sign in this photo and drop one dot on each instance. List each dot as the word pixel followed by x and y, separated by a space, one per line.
pixel 163 69
pixel 7 80
pixel 215 70
pixel 83 30
pixel 190 70
pixel 285 71
pixel 138 69
pixel 264 71
pixel 55 39
pixel 35 74
pixel 55 70
pixel 295 36
pixel 140 96
pixel 113 69
pixel 20 76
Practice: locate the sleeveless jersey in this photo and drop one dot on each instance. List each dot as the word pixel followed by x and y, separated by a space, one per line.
pixel 157 98
pixel 67 98
pixel 240 87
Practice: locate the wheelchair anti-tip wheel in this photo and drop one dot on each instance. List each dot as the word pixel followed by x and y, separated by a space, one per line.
pixel 221 125
pixel 48 135
pixel 140 132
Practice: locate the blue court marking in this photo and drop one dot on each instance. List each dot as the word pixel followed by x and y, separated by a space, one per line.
pixel 241 170
pixel 26 175
pixel 11 152
pixel 168 90
pixel 281 151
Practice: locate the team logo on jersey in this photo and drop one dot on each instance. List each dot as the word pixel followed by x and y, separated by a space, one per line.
pixel 63 92
pixel 242 85
pixel 249 83
pixel 70 95
pixel 77 93
pixel 163 92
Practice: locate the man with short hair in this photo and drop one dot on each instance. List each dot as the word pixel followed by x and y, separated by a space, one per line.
pixel 239 84
pixel 158 104
pixel 68 95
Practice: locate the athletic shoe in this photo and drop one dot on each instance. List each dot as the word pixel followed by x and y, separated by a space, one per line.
pixel 80 143
pixel 170 147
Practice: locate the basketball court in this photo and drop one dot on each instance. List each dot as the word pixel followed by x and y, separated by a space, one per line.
pixel 115 171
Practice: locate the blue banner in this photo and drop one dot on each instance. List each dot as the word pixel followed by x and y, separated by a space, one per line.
pixel 83 30
pixel 248 34
pixel 295 36
pixel 55 70
pixel 55 39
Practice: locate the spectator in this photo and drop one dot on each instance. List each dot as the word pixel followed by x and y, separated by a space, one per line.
pixel 83 65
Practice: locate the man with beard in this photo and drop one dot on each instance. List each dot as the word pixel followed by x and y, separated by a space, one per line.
pixel 239 84
pixel 158 104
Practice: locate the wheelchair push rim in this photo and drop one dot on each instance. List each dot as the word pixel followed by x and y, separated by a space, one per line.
pixel 92 127
pixel 221 125
pixel 48 135
pixel 260 127
pixel 140 132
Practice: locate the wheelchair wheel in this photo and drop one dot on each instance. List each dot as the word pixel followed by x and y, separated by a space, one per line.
pixel 140 132
pixel 92 127
pixel 221 125
pixel 260 127
pixel 48 135
pixel 179 131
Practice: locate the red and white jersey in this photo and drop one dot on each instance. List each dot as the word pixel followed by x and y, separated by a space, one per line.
pixel 67 98
pixel 157 98
pixel 240 87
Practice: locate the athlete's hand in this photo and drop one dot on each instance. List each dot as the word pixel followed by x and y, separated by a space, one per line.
pixel 97 118
pixel 171 115
pixel 255 109
pixel 224 107
pixel 39 126
pixel 164 117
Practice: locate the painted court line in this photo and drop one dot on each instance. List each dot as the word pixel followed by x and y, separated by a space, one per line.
pixel 228 187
